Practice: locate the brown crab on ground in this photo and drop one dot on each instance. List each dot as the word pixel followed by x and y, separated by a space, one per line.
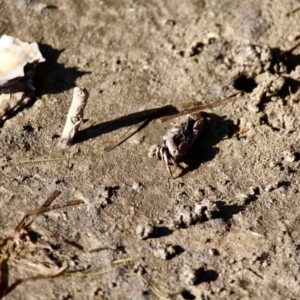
pixel 179 139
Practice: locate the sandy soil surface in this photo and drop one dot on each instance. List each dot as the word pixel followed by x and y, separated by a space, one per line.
pixel 228 226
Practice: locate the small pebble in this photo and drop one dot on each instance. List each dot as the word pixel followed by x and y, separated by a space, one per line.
pixel 185 217
pixel 165 253
pixel 289 156
pixel 137 186
pixel 152 151
pixel 144 231
pixel 213 252
pixel 272 186
pixel 189 275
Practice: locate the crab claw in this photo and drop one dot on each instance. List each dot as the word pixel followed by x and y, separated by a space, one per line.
pixel 183 148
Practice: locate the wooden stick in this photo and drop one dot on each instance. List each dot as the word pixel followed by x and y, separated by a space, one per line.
pixel 74 118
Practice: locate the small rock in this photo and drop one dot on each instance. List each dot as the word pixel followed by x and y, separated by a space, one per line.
pixel 206 210
pixel 289 156
pixel 212 210
pixel 217 223
pixel 144 231
pixel 170 23
pixel 185 217
pixel 253 190
pixel 271 186
pixel 152 150
pixel 272 164
pixel 243 196
pixel 165 253
pixel 102 191
pixel 103 202
pixel 189 275
pixel 137 186
pixel 213 252
pixel 252 107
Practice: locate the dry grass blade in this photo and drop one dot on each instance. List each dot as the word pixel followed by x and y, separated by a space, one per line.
pixel 90 274
pixel 9 246
pixel 45 272
pixel 22 280
pixel 202 107
pixel 29 266
pixel 42 270
pixel 26 221
pixel 151 285
pixel 31 161
pixel 51 198
pixel 256 234
pixel 124 260
pixel 147 113
pixel 100 249
pixel 115 265
pixel 59 238
pixel 292 11
pixel 31 216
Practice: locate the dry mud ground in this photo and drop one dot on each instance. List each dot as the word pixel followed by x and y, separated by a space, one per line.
pixel 228 227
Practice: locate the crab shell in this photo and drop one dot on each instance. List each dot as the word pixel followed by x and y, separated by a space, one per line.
pixel 16 88
pixel 179 139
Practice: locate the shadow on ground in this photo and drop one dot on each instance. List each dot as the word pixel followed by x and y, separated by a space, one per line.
pixel 53 77
pixel 145 116
pixel 215 130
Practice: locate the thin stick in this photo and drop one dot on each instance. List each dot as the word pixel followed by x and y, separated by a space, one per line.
pixel 74 118
pixel 51 198
pixel 31 216
pixel 292 11
pixel 202 107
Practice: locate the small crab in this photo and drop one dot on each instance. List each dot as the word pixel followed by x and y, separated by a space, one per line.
pixel 179 139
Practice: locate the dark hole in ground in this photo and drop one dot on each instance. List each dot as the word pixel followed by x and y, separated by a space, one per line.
pixel 244 83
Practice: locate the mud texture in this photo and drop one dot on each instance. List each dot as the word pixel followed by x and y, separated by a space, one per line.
pixel 228 227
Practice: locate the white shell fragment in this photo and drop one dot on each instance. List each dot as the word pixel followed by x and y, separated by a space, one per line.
pixel 14 56
pixel 16 88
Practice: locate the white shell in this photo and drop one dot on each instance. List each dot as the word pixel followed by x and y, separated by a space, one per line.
pixel 16 87
pixel 14 55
